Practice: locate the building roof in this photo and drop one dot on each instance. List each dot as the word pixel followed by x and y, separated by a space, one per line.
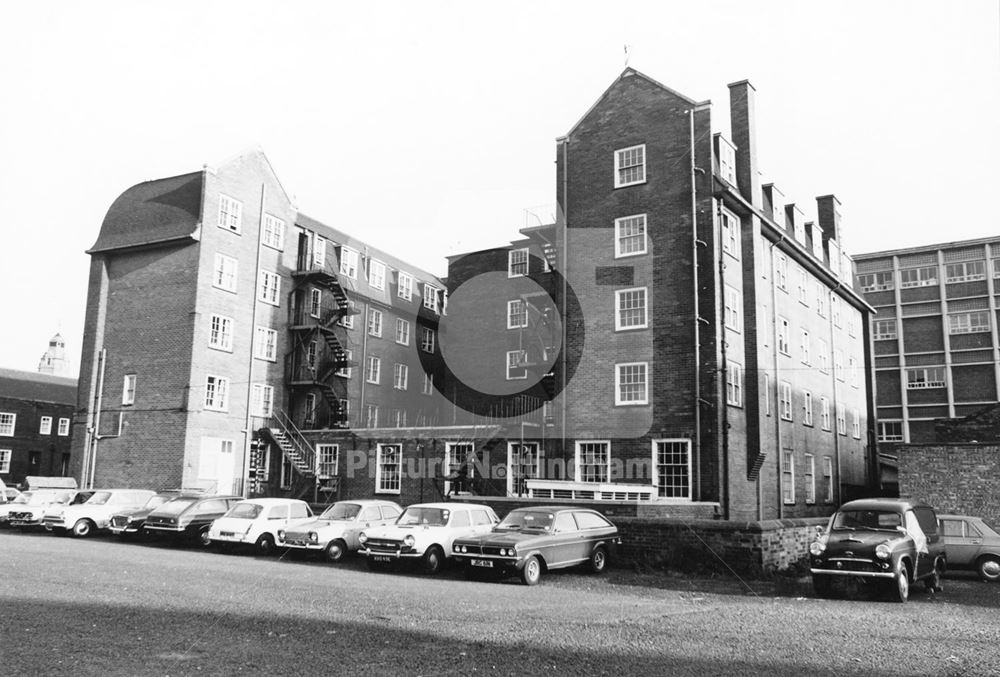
pixel 926 248
pixel 28 385
pixel 153 212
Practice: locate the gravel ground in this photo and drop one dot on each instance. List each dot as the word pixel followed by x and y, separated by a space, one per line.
pixel 103 607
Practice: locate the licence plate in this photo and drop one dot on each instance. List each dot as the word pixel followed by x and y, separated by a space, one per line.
pixel 295 541
pixel 382 558
pixel 227 534
pixel 481 563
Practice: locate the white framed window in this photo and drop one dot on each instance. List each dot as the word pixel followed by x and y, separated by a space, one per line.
pixel 781 271
pixel 45 425
pixel 804 346
pixel 349 262
pixel 856 424
pixel 824 356
pixel 375 322
pixel 835 309
pixel 870 282
pixel 371 415
pixel 809 475
pixel 838 364
pixel 852 322
pixel 523 463
pixel 225 271
pixel 128 389
pixel 630 166
pixel 996 266
pixel 822 298
pixel 427 339
pixel 63 430
pixel 730 233
pixel 732 308
pixel 5 455
pixel 517 314
pixel 400 376
pixel 630 235
pixel 787 477
pixel 376 274
pixel 230 214
pixel 631 383
pixel 7 424
pixel 347 321
pixel 965 271
pixel 265 345
pixel 319 251
pixel 274 232
pixel 373 369
pixel 388 460
pixel 431 297
pixel 312 351
pixel 397 418
pixel 841 420
pixel 828 478
pixel 672 468
pixel 767 394
pixel 969 323
pixel 807 408
pixel 853 371
pixel 269 288
pixel 734 384
pixel 918 277
pixel 217 393
pixel 345 371
pixel 404 286
pixel 824 413
pixel 428 388
pixel 918 378
pixel 631 309
pixel 344 409
pixel 516 359
pixel 402 331
pixel 890 431
pixel 310 411
pixel 785 400
pixel 220 335
pixel 803 287
pixel 327 459
pixel 783 339
pixel 593 461
pixel 517 262
pixel 315 302
pixel 883 330
pixel 261 399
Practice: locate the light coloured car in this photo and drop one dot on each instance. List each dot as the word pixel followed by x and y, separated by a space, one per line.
pixel 335 532
pixel 971 543
pixel 256 522
pixel 95 513
pixel 424 533
pixel 29 508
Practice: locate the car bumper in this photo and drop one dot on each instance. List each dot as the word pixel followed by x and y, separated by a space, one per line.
pixel 845 572
pixel 169 528
pixel 389 555
pixel 301 544
pixel 487 562
pixel 54 523
pixel 26 522
pixel 130 529
pixel 228 537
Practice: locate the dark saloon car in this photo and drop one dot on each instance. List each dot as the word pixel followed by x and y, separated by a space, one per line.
pixel 130 522
pixel 529 541
pixel 882 540
pixel 189 516
pixel 971 543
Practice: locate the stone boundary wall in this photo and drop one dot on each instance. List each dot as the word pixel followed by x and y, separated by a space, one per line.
pixel 961 479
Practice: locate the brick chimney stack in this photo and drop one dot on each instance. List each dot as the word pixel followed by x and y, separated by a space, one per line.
pixel 743 123
pixel 828 210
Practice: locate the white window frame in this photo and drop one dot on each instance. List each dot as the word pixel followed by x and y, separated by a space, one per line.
pixel 220 333
pixel 784 346
pixel 516 471
pixel 620 369
pixel 404 286
pixel 349 261
pixel 265 344
pixel 885 434
pixel 841 419
pixel 972 322
pixel 431 297
pixel 734 384
pixel 884 330
pixel 730 233
pixel 374 322
pixel 918 277
pixel 878 281
pixel 514 361
pixel 45 425
pixel 622 170
pixel 807 408
pixel 804 346
pixel 391 484
pixel 400 376
pixel 856 424
pixel 347 321
pixel 781 271
pixel 274 232
pixel 619 310
pixel 809 475
pixel 785 401
pixel 626 222
pixel 787 477
pixel 920 378
pixel 269 288
pixel 376 274
pixel 373 369
pixel 824 356
pixel 828 478
pixel 319 251
pixel 767 394
pixel 63 429
pixel 371 416
pixel 732 311
pixel 216 393
pixel 428 387
pixel 345 372
pixel 514 262
pixel 402 331
pixel 225 273
pixel 835 310
pixel 517 314
pixel 8 423
pixel 965 271
pixel 128 389
pixel 316 302
pixel 230 214
pixel 262 400
pixel 327 460
pixel 676 491
pixel 579 475
pixel 824 413
pixel 428 339
pixel 5 455
pixel 803 287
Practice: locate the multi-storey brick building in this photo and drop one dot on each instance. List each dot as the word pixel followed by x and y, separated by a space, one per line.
pixel 934 334
pixel 35 417
pixel 710 345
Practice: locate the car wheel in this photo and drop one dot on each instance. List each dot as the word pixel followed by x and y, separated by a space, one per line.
pixel 822 585
pixel 598 560
pixel 433 560
pixel 265 545
pixel 335 550
pixel 933 582
pixel 203 538
pixel 988 568
pixel 901 584
pixel 531 573
pixel 82 528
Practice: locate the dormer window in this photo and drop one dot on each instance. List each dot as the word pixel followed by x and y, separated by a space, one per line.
pixel 630 166
pixel 727 159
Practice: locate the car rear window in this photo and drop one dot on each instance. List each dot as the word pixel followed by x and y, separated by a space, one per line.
pixel 591 520
pixel 246 511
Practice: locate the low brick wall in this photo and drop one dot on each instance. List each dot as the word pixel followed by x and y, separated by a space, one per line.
pixel 959 479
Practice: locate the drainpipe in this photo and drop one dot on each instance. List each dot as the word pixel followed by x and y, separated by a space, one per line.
pixel 94 433
pixel 565 292
pixel 363 364
pixel 724 371
pixel 247 431
pixel 777 404
pixel 697 316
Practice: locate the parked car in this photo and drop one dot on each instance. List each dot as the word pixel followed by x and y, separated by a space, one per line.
pixel 424 533
pixel 189 516
pixel 128 523
pixel 257 521
pixel 95 513
pixel 28 508
pixel 895 541
pixel 971 543
pixel 335 532
pixel 531 540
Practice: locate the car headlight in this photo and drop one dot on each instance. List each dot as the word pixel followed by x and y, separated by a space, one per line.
pixel 456 547
pixel 281 534
pixel 313 537
pixel 882 551
pixel 817 548
pixel 362 537
pixel 465 548
pixel 128 520
pixel 409 540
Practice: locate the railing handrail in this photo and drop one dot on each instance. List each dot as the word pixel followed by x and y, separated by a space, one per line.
pixel 296 438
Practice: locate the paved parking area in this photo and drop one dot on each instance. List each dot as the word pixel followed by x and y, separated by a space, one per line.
pixel 104 607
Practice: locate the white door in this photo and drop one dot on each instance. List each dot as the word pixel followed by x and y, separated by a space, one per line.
pixel 217 465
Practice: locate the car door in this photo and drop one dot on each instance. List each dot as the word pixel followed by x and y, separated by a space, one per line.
pixel 962 541
pixel 566 547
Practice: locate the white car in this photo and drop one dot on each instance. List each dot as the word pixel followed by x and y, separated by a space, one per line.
pixel 424 533
pixel 335 532
pixel 28 508
pixel 256 522
pixel 84 519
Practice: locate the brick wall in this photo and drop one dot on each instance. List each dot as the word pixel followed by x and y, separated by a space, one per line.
pixel 956 478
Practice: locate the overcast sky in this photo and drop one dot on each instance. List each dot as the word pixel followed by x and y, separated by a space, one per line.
pixel 428 128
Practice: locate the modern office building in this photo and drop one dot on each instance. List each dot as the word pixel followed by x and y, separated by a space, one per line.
pixel 36 412
pixel 934 334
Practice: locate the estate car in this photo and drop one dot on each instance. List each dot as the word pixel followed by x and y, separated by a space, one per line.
pixel 189 516
pixel 129 522
pixel 335 532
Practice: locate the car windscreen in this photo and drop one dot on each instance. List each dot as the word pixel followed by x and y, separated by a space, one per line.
pixel 176 506
pixel 246 511
pixel 867 519
pixel 527 519
pixel 341 512
pixel 24 498
pixel 99 498
pixel 434 517
pixel 155 501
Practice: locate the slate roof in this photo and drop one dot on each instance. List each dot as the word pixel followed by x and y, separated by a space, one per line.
pixel 29 385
